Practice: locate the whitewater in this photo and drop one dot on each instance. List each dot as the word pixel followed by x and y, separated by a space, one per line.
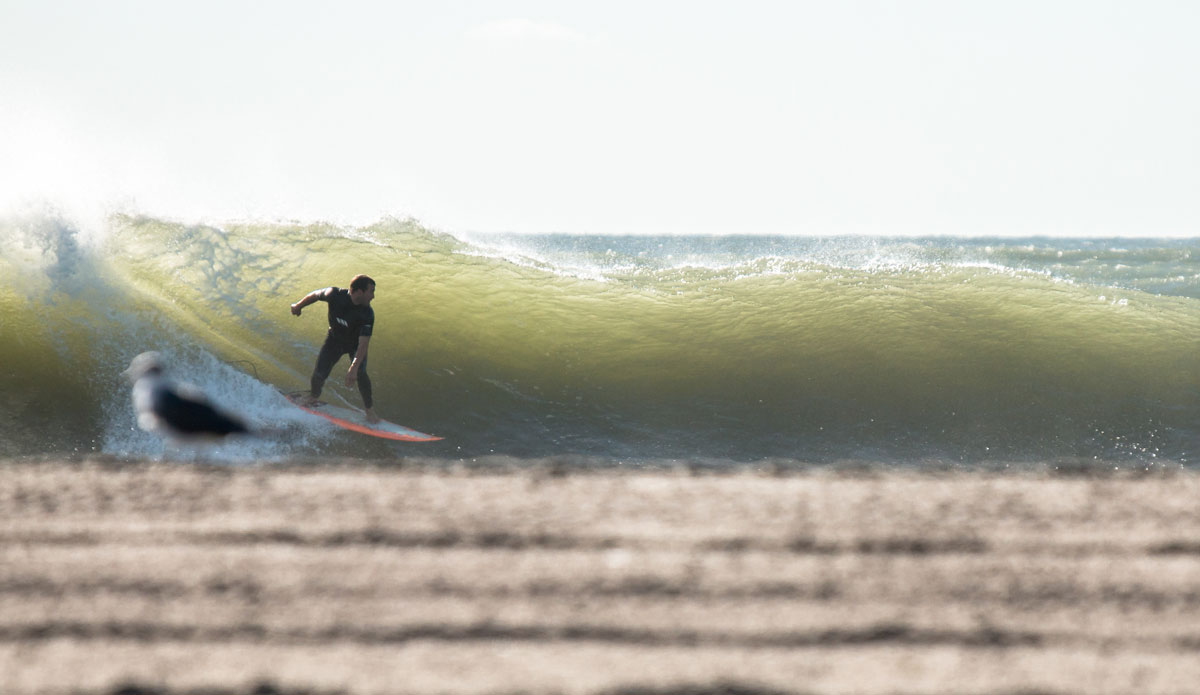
pixel 612 350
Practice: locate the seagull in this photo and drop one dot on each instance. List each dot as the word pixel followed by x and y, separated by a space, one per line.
pixel 178 412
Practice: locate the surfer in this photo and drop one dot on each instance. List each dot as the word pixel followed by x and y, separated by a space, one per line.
pixel 350 321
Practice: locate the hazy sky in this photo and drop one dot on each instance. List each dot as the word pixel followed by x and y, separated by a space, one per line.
pixel 955 117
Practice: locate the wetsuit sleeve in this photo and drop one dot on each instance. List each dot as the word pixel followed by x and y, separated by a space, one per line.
pixel 325 294
pixel 368 325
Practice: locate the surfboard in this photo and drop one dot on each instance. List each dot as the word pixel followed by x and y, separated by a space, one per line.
pixel 356 421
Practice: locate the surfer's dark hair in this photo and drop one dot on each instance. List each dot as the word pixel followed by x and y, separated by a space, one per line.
pixel 360 283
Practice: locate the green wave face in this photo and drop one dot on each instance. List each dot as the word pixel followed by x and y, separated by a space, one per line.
pixel 737 348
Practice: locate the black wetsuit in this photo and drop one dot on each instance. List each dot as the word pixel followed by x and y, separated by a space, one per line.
pixel 347 323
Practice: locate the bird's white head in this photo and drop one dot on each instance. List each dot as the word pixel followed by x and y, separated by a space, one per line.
pixel 143 365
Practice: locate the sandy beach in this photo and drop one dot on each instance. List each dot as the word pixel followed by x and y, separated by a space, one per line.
pixel 167 579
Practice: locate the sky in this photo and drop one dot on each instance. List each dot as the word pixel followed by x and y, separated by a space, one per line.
pixel 966 117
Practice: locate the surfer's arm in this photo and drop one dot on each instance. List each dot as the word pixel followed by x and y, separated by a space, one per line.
pixel 309 298
pixel 359 358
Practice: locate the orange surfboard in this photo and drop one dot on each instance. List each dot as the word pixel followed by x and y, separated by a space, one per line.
pixel 356 421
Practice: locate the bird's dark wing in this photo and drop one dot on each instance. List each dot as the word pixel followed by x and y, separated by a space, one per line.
pixel 189 415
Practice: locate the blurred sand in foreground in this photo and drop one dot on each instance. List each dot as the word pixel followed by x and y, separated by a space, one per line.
pixel 174 579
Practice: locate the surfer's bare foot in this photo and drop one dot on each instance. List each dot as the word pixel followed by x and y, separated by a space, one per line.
pixel 371 416
pixel 310 401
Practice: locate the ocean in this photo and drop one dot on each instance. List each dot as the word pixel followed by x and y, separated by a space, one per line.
pixel 615 350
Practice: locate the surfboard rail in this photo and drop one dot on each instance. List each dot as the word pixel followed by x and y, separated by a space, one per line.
pixel 342 418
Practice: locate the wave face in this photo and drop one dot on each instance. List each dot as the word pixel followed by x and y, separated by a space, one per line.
pixel 620 348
